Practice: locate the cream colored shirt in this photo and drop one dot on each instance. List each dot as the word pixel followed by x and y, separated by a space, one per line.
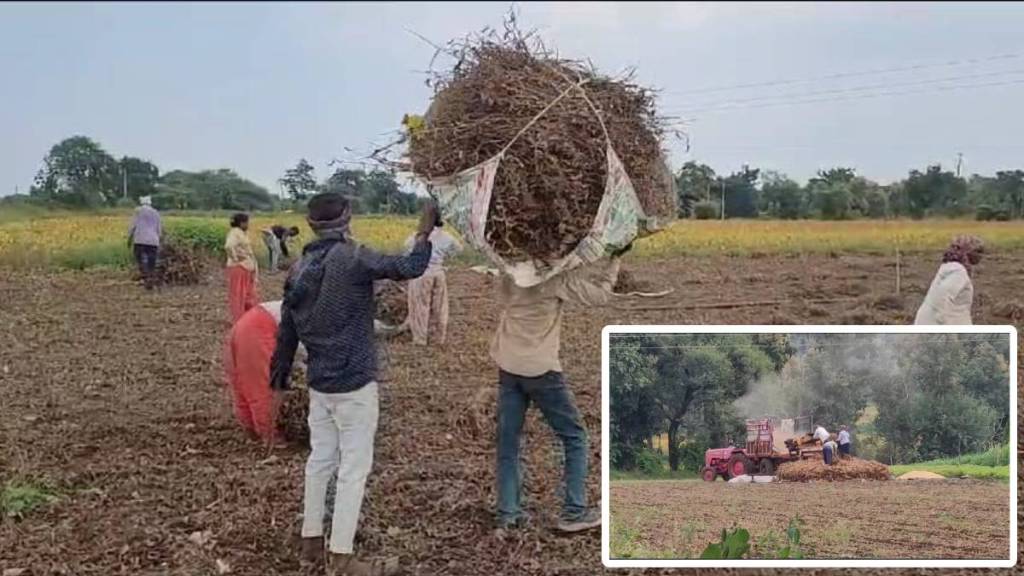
pixel 529 332
pixel 949 298
pixel 239 250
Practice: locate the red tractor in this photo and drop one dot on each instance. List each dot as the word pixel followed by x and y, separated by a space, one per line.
pixel 770 442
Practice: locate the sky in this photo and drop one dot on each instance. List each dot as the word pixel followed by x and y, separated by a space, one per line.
pixel 880 87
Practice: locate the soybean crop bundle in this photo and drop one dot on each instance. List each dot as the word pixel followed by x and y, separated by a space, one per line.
pixel 551 180
pixel 841 469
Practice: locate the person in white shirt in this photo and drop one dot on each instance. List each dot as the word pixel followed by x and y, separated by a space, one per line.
pixel 821 434
pixel 951 293
pixel 428 294
pixel 844 442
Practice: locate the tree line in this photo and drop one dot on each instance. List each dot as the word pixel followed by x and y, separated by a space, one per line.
pixel 928 396
pixel 841 194
pixel 78 173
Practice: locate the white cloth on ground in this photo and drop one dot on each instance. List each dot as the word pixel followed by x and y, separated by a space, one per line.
pixel 342 428
pixel 949 297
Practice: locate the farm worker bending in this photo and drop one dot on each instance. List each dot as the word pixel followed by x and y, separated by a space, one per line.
pixel 829 451
pixel 144 238
pixel 951 294
pixel 844 442
pixel 821 434
pixel 241 268
pixel 328 307
pixel 428 294
pixel 525 348
pixel 247 356
pixel 276 240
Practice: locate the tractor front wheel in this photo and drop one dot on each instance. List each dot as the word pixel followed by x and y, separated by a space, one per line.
pixel 766 467
pixel 739 465
pixel 708 474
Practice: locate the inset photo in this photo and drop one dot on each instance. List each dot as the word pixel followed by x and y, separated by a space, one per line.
pixel 809 446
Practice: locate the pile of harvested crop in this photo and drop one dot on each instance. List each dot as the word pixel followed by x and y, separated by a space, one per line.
pixel 392 302
pixel 551 180
pixel 180 265
pixel 843 469
pixel 627 283
pixel 293 418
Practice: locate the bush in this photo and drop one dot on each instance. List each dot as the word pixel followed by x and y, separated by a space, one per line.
pixel 706 211
pixel 198 233
pixel 650 462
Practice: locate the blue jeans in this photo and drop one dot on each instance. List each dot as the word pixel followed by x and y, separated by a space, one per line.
pixel 556 403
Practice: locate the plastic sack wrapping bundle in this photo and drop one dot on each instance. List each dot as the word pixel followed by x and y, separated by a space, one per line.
pixel 465 200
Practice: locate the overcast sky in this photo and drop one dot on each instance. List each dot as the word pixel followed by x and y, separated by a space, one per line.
pixel 255 87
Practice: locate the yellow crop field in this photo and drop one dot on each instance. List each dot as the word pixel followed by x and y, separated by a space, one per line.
pixel 84 240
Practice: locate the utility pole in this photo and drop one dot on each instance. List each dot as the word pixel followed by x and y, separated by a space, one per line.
pixel 723 199
pixel 959 162
pixel 124 181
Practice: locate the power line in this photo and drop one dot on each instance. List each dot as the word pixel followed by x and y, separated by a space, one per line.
pixel 959 62
pixel 868 87
pixel 862 96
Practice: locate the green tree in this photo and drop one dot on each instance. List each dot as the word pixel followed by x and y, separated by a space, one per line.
pixel 221 189
pixel 693 185
pixel 741 194
pixel 631 379
pixel 78 172
pixel 372 192
pixel 782 197
pixel 935 191
pixel 141 177
pixel 300 182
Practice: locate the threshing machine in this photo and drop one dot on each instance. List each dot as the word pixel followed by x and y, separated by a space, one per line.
pixel 770 442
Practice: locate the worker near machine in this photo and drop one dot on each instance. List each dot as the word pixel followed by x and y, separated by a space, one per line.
pixel 951 293
pixel 428 294
pixel 276 240
pixel 820 434
pixel 241 269
pixel 525 348
pixel 844 442
pixel 144 239
pixel 328 307
pixel 829 451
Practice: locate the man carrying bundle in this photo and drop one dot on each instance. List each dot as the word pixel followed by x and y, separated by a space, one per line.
pixel 329 307
pixel 525 348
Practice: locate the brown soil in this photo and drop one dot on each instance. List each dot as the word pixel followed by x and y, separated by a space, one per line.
pixel 114 394
pixel 884 520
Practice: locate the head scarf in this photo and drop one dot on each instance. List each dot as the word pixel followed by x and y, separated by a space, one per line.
pixel 338 226
pixel 145 201
pixel 965 250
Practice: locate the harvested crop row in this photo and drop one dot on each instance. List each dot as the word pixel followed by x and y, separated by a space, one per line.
pixel 843 469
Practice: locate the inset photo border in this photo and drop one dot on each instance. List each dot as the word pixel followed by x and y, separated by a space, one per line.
pixel 775 495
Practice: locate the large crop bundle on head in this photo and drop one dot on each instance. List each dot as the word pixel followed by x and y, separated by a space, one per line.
pixel 550 182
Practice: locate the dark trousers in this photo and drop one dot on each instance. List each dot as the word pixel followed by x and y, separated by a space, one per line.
pixel 145 258
pixel 844 449
pixel 827 453
pixel 556 403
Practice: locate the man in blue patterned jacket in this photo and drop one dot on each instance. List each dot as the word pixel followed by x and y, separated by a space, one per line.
pixel 329 308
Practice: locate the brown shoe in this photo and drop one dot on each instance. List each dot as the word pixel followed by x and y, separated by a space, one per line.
pixel 349 565
pixel 312 550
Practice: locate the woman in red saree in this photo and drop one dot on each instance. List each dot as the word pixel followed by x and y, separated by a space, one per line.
pixel 241 268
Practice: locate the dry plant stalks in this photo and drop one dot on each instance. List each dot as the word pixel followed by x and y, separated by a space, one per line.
pixel 841 469
pixel 552 178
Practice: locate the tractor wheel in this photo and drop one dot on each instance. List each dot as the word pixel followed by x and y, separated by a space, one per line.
pixel 766 467
pixel 708 474
pixel 739 465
